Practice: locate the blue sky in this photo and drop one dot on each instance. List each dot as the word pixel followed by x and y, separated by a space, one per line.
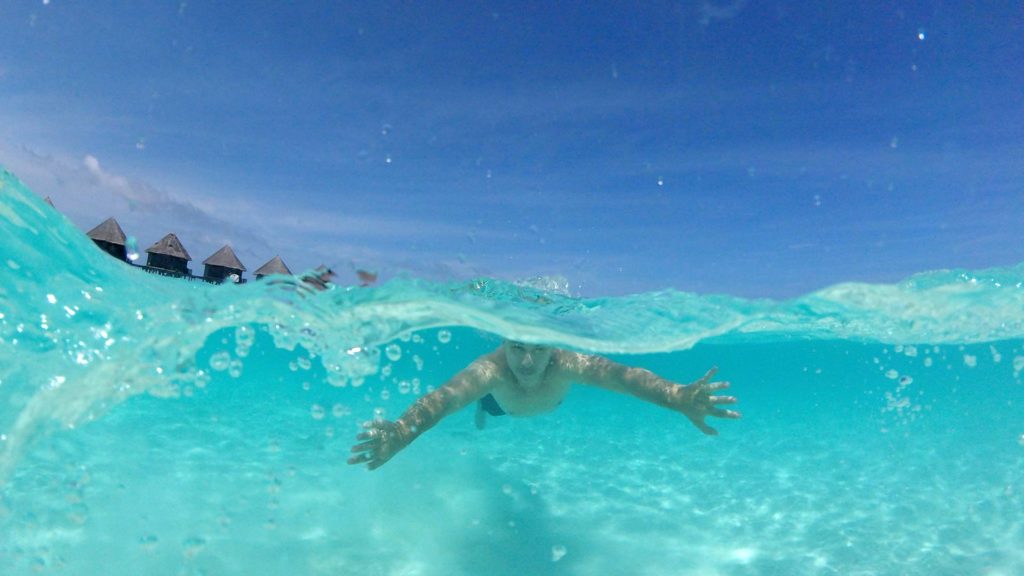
pixel 762 149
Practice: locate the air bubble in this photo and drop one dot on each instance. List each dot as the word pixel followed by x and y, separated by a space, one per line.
pixel 385 395
pixel 340 411
pixel 235 368
pixel 245 336
pixel 892 374
pixel 970 360
pixel 304 363
pixel 220 361
pixel 444 336
pixel 557 552
pixel 404 387
pixel 317 412
pixel 201 379
pixel 418 362
pixel 393 352
pixel 906 381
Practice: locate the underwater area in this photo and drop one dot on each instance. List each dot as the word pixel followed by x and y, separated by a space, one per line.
pixel 154 426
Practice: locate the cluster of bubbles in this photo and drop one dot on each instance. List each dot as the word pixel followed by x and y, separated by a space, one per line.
pixel 904 401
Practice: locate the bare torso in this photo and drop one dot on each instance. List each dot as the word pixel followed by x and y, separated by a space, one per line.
pixel 524 398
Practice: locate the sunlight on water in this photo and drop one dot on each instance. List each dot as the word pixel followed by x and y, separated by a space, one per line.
pixel 183 428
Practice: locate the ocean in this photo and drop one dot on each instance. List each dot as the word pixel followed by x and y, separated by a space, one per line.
pixel 150 425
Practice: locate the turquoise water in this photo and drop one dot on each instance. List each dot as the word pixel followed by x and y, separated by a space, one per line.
pixel 156 426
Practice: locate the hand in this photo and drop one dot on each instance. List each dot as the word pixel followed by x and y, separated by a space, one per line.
pixel 382 440
pixel 697 403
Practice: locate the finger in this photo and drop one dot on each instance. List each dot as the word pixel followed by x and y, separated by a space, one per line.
pixel 715 386
pixel 704 427
pixel 719 413
pixel 709 375
pixel 365 446
pixel 722 399
pixel 359 459
pixel 375 464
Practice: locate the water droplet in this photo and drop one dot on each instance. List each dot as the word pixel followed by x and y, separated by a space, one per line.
pixel 921 34
pixel 317 412
pixel 132 248
pixel 393 352
pixel 444 336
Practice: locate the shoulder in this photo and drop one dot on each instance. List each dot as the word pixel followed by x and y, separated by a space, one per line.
pixel 487 367
pixel 571 363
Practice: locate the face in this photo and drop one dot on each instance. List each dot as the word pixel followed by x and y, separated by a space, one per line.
pixel 527 361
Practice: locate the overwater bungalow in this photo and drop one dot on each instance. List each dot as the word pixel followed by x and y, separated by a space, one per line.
pixel 168 256
pixel 110 238
pixel 273 266
pixel 222 265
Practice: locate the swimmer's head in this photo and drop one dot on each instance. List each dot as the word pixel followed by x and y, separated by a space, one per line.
pixel 528 362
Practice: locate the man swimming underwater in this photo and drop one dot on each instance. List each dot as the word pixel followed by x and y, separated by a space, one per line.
pixel 525 379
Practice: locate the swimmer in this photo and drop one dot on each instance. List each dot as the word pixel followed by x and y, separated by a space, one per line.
pixel 520 380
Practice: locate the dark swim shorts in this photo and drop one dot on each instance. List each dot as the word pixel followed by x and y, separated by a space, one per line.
pixel 490 405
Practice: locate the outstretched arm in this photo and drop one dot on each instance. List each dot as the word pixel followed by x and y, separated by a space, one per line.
pixel 383 439
pixel 694 400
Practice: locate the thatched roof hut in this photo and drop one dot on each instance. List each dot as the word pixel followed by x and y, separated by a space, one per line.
pixel 168 254
pixel 273 266
pixel 110 238
pixel 222 264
